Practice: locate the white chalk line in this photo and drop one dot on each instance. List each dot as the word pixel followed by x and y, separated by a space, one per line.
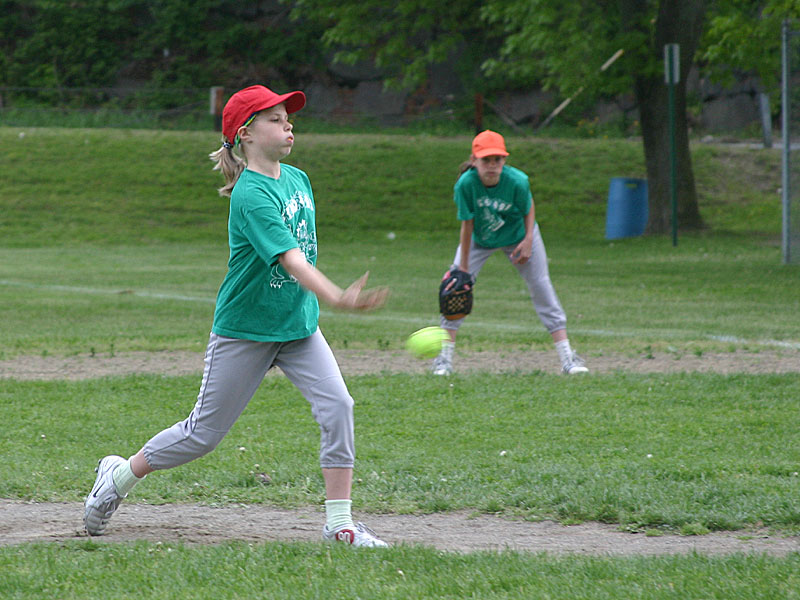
pixel 106 292
pixel 416 321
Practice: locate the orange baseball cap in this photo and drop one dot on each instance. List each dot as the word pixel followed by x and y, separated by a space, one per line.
pixel 244 103
pixel 488 143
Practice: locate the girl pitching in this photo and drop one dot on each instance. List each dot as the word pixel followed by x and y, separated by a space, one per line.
pixel 266 315
pixel 495 207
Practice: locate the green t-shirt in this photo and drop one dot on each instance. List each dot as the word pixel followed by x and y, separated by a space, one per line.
pixel 258 300
pixel 499 211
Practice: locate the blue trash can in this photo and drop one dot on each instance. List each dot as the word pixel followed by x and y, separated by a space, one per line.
pixel 627 211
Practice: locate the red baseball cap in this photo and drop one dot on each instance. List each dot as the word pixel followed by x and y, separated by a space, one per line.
pixel 488 143
pixel 252 99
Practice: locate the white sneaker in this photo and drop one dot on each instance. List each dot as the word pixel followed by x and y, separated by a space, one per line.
pixel 103 500
pixel 574 365
pixel 360 537
pixel 442 365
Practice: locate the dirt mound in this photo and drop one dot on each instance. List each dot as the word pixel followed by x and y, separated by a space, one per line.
pixel 460 531
pixel 363 362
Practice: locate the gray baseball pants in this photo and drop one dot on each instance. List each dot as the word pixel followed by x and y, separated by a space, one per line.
pixel 234 369
pixel 535 273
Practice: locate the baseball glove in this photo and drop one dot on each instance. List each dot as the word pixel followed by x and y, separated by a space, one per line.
pixel 455 294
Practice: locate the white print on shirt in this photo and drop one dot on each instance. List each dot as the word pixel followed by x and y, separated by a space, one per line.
pixel 494 203
pixel 491 221
pixel 297 201
pixel 306 240
pixel 277 276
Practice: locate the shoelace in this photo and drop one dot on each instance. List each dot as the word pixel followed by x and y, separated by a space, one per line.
pixel 364 529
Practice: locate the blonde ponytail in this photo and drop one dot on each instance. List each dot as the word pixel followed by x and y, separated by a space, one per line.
pixel 229 164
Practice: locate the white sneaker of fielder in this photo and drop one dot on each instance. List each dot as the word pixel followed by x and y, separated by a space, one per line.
pixel 442 365
pixel 103 500
pixel 359 536
pixel 574 365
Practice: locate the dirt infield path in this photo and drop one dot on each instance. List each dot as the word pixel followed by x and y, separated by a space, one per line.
pixel 22 522
pixel 363 362
pixel 463 532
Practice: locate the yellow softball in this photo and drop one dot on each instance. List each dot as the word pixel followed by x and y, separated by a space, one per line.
pixel 427 342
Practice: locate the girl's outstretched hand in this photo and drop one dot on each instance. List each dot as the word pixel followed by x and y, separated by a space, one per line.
pixel 522 252
pixel 356 297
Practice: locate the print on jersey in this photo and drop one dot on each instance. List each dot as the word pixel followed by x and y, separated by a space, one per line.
pixel 306 240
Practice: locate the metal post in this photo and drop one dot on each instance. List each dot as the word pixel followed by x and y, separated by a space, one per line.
pixel 766 119
pixel 216 105
pixel 787 142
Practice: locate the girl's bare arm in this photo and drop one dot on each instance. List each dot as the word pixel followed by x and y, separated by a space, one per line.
pixel 355 297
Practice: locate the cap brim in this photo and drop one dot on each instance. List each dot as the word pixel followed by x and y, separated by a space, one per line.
pixel 490 152
pixel 294 101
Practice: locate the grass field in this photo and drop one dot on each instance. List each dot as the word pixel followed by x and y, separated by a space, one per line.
pixel 114 240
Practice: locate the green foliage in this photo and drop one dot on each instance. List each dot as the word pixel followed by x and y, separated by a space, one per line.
pixel 565 44
pixel 169 44
pixel 746 36
pixel 500 44
pixel 63 44
pixel 404 39
pixel 227 42
pixel 98 53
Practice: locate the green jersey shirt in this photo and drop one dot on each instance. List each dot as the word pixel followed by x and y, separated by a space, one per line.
pixel 499 211
pixel 258 300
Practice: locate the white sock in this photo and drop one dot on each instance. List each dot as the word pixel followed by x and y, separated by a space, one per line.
pixel 337 514
pixel 447 350
pixel 124 479
pixel 564 351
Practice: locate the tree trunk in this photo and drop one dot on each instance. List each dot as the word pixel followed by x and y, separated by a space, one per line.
pixel 654 114
pixel 679 22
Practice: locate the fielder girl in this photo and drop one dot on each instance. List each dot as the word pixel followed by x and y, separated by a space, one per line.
pixel 495 207
pixel 266 315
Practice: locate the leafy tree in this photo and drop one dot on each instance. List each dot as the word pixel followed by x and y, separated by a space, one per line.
pixel 493 45
pixel 169 44
pixel 49 43
pixel 745 36
pixel 226 42
pixel 561 45
pixel 571 40
pixel 404 38
pixel 13 26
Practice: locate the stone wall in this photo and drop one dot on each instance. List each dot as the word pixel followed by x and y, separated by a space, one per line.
pixel 354 92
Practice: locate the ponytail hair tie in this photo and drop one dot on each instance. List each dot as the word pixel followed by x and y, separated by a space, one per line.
pixel 227 145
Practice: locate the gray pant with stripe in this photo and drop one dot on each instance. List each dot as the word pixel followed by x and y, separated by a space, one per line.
pixel 536 275
pixel 234 369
